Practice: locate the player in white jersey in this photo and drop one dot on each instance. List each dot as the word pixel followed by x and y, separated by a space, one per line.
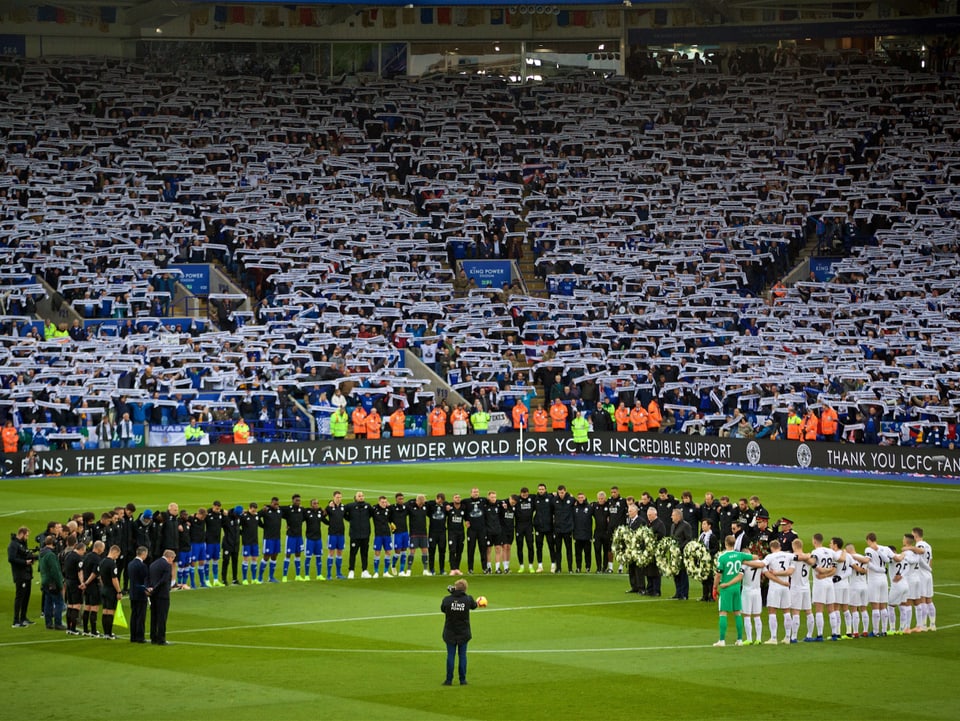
pixel 858 594
pixel 779 567
pixel 877 558
pixel 926 611
pixel 907 565
pixel 824 572
pixel 751 601
pixel 800 591
pixel 841 586
pixel 898 572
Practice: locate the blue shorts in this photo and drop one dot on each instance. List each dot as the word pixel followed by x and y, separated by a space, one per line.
pixel 213 551
pixel 382 543
pixel 251 551
pixel 315 548
pixel 185 558
pixel 401 541
pixel 294 544
pixel 335 543
pixel 271 546
pixel 198 551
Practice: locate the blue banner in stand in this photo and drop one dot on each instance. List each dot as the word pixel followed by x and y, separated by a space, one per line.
pixel 822 268
pixel 195 278
pixel 488 273
pixel 13 45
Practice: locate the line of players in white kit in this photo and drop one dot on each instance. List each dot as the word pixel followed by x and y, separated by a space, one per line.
pixel 861 591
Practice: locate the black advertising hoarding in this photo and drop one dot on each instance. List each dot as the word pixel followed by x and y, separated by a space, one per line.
pixel 704 449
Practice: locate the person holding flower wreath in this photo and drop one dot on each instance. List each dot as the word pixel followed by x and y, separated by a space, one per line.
pixel 652 572
pixel 634 572
pixel 682 533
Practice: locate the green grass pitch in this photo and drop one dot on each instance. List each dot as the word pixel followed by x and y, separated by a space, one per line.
pixel 547 647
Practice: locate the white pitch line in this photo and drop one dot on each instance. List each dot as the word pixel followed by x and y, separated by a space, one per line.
pixel 438 651
pixel 391 617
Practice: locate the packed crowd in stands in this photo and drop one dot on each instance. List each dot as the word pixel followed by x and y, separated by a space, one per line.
pixel 659 212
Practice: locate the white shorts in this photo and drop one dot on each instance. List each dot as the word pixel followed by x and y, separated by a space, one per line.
pixel 751 602
pixel 857 596
pixel 877 591
pixel 841 593
pixel 914 582
pixel 823 592
pixel 800 599
pixel 899 592
pixel 926 584
pixel 778 596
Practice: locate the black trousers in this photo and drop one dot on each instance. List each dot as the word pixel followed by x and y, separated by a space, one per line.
pixel 21 600
pixel 159 608
pixel 138 620
pixel 472 543
pixel 601 551
pixel 230 558
pixel 551 542
pixel 638 580
pixel 438 546
pixel 524 537
pixel 455 544
pixel 582 551
pixel 564 541
pixel 363 546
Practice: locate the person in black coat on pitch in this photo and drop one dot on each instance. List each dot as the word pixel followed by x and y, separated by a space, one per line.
pixel 653 573
pixel 139 576
pixel 456 629
pixel 158 588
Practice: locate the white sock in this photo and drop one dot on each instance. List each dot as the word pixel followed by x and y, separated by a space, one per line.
pixel 506 564
pixel 906 616
pixel 834 623
pixel 864 620
pixel 774 628
pixel 819 619
pixel 747 629
pixel 795 628
pixel 875 615
pixel 932 613
pixel 921 609
pixel 811 624
pixel 885 618
pixel 787 626
pixel 758 627
pixel 847 620
pixel 854 622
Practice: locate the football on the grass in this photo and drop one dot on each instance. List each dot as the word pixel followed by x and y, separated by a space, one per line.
pixel 482 601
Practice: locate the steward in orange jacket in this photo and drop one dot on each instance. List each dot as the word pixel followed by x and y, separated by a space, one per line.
pixel 638 419
pixel 359 419
pixel 811 426
pixel 558 415
pixel 519 416
pixel 654 416
pixel 459 414
pixel 541 420
pixel 622 417
pixel 438 421
pixel 829 422
pixel 397 421
pixel 374 423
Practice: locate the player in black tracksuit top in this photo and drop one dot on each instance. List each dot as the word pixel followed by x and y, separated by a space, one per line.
pixel 582 532
pixel 491 522
pixel 563 527
pixel 382 535
pixel 333 516
pixel 476 532
pixel 524 527
pixel 437 535
pixel 508 527
pixel 543 525
pixel 294 516
pixel 230 545
pixel 456 518
pixel 271 521
pixel 358 514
